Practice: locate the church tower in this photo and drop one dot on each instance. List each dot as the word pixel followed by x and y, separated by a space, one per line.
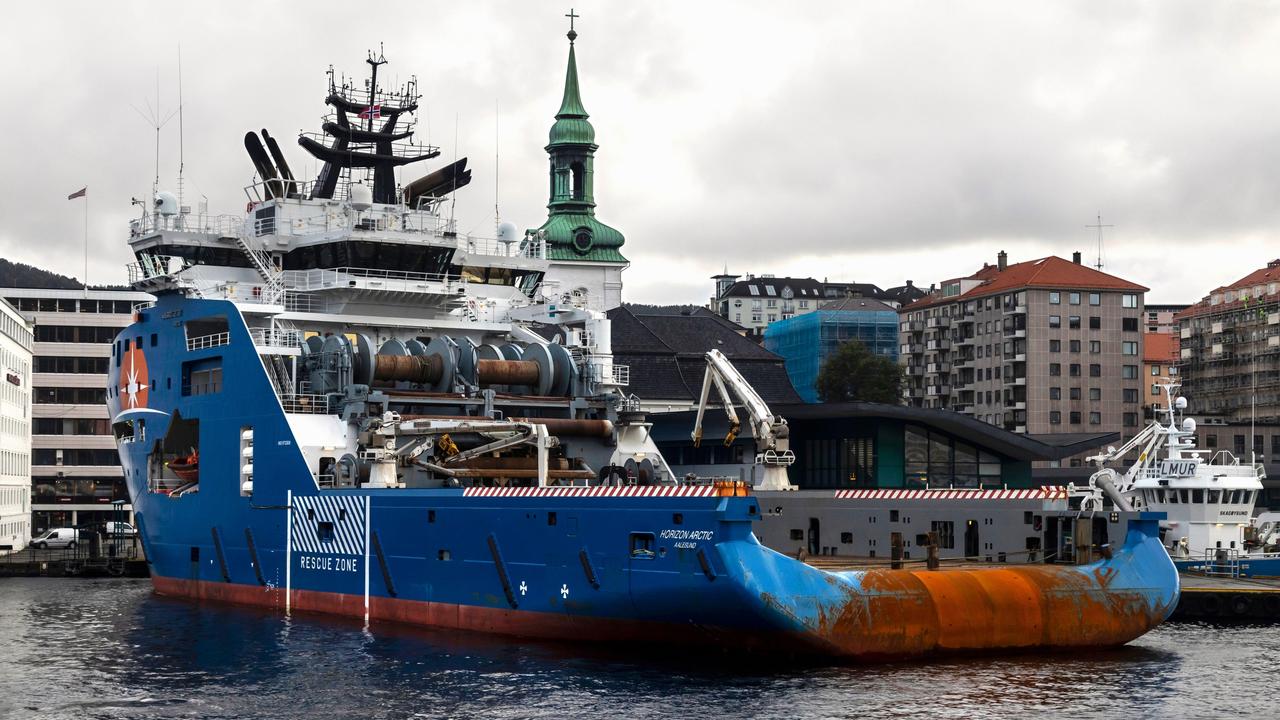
pixel 585 253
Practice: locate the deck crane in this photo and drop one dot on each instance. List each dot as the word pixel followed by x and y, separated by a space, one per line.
pixel 770 431
pixel 1150 440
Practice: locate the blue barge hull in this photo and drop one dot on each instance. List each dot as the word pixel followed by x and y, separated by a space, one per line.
pixel 634 564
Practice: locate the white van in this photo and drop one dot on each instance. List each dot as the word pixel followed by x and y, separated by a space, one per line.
pixel 124 529
pixel 57 538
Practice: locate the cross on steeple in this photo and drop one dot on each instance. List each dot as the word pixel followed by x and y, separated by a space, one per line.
pixel 573 34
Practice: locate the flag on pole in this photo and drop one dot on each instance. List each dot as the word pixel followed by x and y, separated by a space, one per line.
pixel 372 112
pixel 79 193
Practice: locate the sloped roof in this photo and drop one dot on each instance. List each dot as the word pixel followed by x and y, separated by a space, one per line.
pixel 1046 272
pixel 666 351
pixel 1262 276
pixel 1159 347
pixel 857 304
pixel 802 287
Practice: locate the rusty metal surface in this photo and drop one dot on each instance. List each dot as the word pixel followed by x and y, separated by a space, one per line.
pixel 884 614
pixel 507 372
pixel 420 369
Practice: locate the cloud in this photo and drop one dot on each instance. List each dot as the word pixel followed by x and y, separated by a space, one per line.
pixel 868 141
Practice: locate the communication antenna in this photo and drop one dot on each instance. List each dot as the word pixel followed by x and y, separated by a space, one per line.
pixel 1099 226
pixel 453 196
pixel 497 216
pixel 181 140
pixel 153 118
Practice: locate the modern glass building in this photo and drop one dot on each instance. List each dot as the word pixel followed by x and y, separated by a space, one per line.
pixel 806 341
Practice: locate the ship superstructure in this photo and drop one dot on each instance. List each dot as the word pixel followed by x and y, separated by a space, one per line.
pixel 339 403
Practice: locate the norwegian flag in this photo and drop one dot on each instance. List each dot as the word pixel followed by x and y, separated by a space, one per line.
pixel 373 111
pixel 82 192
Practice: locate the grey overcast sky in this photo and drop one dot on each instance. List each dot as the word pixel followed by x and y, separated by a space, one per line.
pixel 869 141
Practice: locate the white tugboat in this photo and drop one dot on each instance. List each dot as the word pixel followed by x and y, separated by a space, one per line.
pixel 1208 499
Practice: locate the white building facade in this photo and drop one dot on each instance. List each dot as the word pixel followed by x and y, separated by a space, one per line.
pixel 16 343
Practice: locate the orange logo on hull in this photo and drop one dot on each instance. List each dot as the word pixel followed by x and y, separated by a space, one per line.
pixel 133 380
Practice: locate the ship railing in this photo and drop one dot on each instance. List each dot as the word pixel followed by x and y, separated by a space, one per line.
pixel 306 404
pixel 275 337
pixel 150 266
pixel 1224 457
pixel 201 342
pixel 325 480
pixel 220 225
pixel 1221 562
pixel 327 279
pixel 139 307
pixel 399 148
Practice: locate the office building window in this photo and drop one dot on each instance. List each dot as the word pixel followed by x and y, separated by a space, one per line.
pixel 1129 301
pixel 1055 417
pixel 1129 372
pixel 1095 370
pixel 1095 322
pixel 1055 321
pixel 1155 369
pixel 1131 419
pixel 1055 346
pixel 1075 369
pixel 1074 393
pixel 1074 322
pixel 1075 417
pixel 1095 299
pixel 1131 395
pixel 1095 394
pixel 1095 418
pixel 1129 324
pixel 1055 298
pixel 1074 298
pixel 1055 369
pixel 1055 393
pixel 1095 346
pixel 1155 390
pixel 1128 348
pixel 1075 346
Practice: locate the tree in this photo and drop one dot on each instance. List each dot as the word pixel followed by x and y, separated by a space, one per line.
pixel 854 373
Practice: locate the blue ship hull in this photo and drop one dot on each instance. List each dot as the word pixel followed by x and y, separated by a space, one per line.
pixel 652 565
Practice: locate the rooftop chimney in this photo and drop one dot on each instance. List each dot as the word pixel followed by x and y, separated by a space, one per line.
pixel 1002 260
pixel 1075 257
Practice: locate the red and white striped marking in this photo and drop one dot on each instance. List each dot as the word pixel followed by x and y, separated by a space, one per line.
pixel 647 491
pixel 1048 492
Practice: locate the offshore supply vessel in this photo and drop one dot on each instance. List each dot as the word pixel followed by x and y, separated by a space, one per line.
pixel 339 403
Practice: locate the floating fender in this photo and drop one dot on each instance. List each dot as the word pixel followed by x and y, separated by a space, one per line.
pixel 1241 605
pixel 1211 605
pixel 1272 605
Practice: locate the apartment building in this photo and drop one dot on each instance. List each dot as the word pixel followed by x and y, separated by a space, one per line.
pixel 758 300
pixel 75 471
pixel 16 341
pixel 1048 346
pixel 1229 363
pixel 1159 367
pixel 1160 318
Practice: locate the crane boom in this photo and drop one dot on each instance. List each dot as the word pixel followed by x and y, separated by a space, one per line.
pixel 773 453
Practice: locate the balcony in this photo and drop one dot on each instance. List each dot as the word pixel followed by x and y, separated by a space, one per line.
pixel 911 326
pixel 1217 328
pixel 1016 380
pixel 936 390
pixel 915 370
pixel 940 321
pixel 1184 333
pixel 938 344
pixel 934 368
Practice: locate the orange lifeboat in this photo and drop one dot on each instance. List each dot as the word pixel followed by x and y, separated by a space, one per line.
pixel 187 468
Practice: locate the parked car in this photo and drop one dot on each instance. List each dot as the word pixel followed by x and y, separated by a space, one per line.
pixel 56 538
pixel 123 529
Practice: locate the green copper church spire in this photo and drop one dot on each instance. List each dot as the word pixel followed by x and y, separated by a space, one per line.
pixel 572 231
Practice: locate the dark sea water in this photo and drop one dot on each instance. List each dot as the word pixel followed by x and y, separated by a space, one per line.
pixel 112 649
